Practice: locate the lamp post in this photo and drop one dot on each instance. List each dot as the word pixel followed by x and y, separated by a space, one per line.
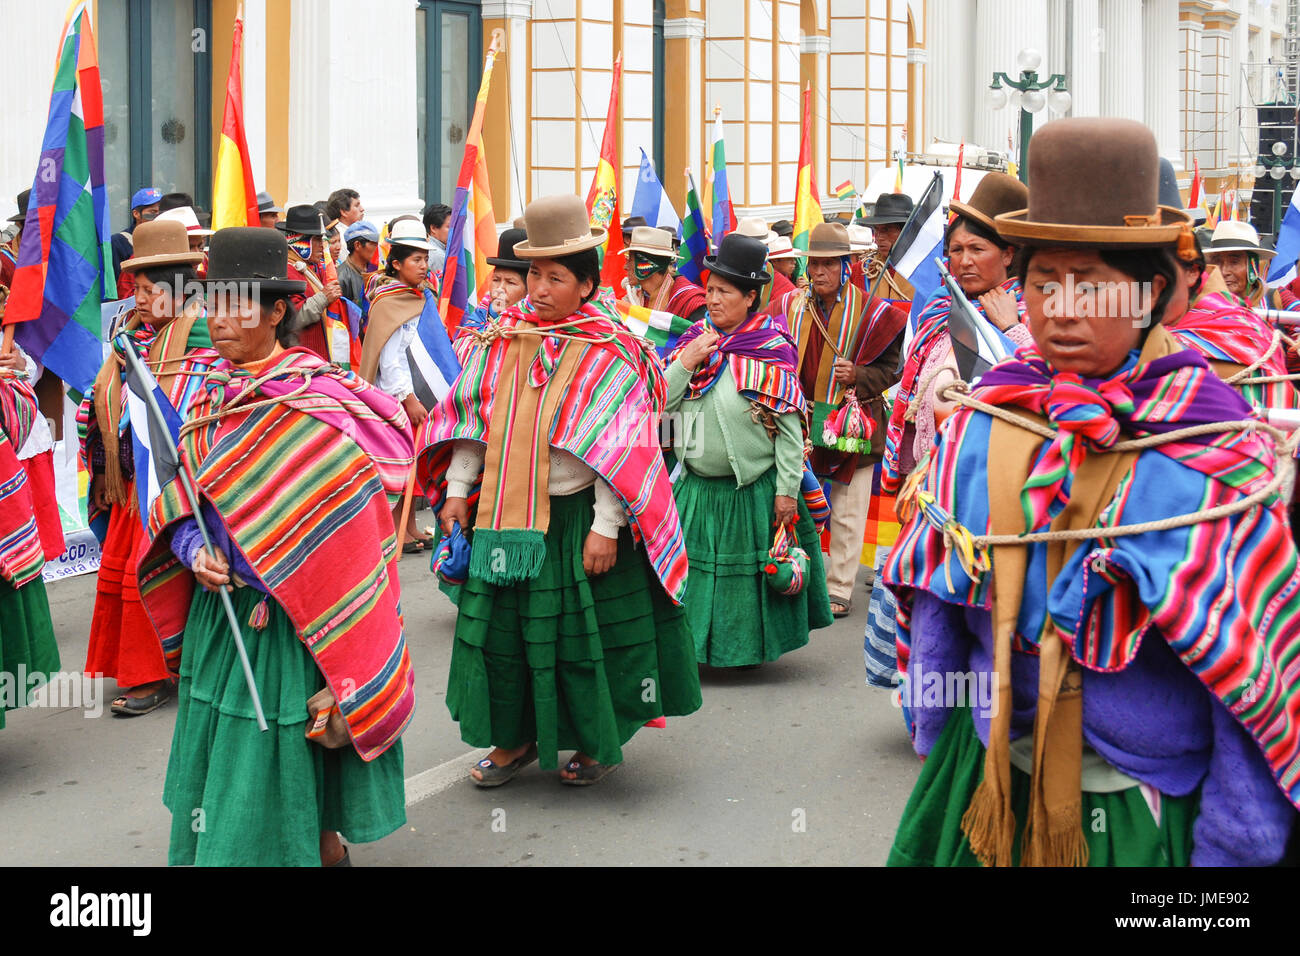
pixel 1276 168
pixel 1032 99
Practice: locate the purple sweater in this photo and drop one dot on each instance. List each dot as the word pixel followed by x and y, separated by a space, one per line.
pixel 186 540
pixel 1155 721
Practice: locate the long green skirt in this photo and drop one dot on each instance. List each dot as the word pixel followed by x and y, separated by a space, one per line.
pixel 240 797
pixel 571 662
pixel 27 644
pixel 1118 826
pixel 736 617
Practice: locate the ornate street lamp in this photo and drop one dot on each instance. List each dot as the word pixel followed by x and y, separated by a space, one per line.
pixel 1029 91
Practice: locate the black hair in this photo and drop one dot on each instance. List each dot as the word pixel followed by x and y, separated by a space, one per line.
pixel 584 265
pixel 340 199
pixel 1141 265
pixel 284 332
pixel 976 229
pixel 399 253
pixel 180 281
pixel 356 241
pixel 175 201
pixel 435 214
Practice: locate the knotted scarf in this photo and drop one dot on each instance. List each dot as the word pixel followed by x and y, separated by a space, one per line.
pixel 762 359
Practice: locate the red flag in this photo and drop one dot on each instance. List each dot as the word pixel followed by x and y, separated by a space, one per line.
pixel 602 198
pixel 234 197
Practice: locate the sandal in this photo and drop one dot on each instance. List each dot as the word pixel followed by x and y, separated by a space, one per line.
pixel 413 547
pixel 125 706
pixel 494 776
pixel 846 608
pixel 587 774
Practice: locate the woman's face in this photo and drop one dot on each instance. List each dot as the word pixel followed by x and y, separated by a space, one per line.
pixel 1189 277
pixel 414 269
pixel 508 287
pixel 153 302
pixel 785 266
pixel 336 246
pixel 556 292
pixel 977 264
pixel 1233 265
pixel 241 330
pixel 728 306
pixel 1085 316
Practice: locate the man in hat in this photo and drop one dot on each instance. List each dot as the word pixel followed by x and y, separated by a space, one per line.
pixel 845 341
pixel 361 239
pixel 144 207
pixel 886 222
pixel 305 235
pixel 783 259
pixel 651 275
pixel 9 250
pixel 630 223
pixel 508 286
pixel 268 213
pixel 1243 260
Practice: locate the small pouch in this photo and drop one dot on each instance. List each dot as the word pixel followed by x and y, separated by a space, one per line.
pixel 450 559
pixel 326 725
pixel 786 565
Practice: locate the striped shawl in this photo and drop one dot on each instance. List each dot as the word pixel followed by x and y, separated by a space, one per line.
pixel 303 489
pixel 21 558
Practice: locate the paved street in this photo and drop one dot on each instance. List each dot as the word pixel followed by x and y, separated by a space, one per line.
pixel 797 762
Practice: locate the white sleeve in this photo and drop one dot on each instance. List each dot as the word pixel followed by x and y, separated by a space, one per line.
pixel 394 375
pixel 40 440
pixel 610 515
pixel 466 464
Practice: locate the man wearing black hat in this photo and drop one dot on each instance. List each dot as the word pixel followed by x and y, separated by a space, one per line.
pixel 9 251
pixel 886 222
pixel 302 231
pixel 509 282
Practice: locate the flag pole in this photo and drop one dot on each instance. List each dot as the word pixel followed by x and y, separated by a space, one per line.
pixel 192 497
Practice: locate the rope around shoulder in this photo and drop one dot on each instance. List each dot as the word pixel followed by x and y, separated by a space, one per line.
pixel 960 392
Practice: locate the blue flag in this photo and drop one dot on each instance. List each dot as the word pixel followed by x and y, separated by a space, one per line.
pixel 650 202
pixel 433 362
pixel 1283 268
pixel 155 449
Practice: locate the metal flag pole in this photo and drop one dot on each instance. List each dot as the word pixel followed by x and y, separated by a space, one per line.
pixel 191 496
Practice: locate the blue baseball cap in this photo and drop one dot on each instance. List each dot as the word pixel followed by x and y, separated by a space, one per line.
pixel 361 230
pixel 146 197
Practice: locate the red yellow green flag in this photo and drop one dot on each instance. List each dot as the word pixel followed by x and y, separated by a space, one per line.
pixel 234 197
pixel 602 197
pixel 807 207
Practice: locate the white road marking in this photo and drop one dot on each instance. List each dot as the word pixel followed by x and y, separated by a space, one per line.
pixel 433 781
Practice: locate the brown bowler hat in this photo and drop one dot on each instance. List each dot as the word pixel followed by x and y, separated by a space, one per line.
pixel 995 194
pixel 1095 184
pixel 829 240
pixel 163 242
pixel 557 226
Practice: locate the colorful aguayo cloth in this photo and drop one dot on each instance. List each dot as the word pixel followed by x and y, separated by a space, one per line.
pixel 335 450
pixel 1224 595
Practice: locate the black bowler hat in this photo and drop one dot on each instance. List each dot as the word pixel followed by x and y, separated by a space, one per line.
pixel 251 254
pixel 630 223
pixel 505 257
pixel 303 220
pixel 890 207
pixel 21 214
pixel 741 260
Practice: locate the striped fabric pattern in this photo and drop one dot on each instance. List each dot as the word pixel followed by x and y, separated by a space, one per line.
pixel 1225 595
pixel 21 558
pixel 609 418
pixel 329 520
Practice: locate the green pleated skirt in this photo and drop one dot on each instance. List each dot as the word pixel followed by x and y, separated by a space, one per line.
pixel 27 645
pixel 240 797
pixel 571 662
pixel 736 617
pixel 1119 827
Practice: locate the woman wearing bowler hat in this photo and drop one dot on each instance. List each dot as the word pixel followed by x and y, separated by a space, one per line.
pixel 168 329
pixel 569 634
pixel 331 670
pixel 1098 545
pixel 733 381
pixel 507 287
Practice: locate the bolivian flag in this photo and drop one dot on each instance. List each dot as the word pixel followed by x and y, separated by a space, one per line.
pixel 234 197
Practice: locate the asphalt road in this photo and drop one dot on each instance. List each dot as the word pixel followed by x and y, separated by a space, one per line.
pixel 797 762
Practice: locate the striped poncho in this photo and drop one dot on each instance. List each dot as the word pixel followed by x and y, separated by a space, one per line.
pixel 1224 594
pixel 302 486
pixel 21 558
pixel 609 418
pixel 931 331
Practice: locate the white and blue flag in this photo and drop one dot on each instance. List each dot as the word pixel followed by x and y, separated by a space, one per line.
pixel 154 439
pixel 1283 268
pixel 650 202
pixel 432 360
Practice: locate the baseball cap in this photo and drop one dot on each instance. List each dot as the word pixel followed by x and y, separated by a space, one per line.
pixel 361 229
pixel 145 197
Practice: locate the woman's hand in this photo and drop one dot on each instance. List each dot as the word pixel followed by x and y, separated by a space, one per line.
pixel 13 360
pixel 99 493
pixel 1000 307
pixel 598 553
pixel 783 510
pixel 699 349
pixel 846 373
pixel 414 411
pixel 454 511
pixel 212 570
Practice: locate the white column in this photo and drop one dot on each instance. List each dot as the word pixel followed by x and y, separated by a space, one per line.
pixel 1189 85
pixel 309 102
pixel 255 87
pixel 1083 67
pixel 821 47
pixel 1160 75
pixel 1002 29
pixel 516 13
pixel 1121 59
pixel 690 29
pixel 953 93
